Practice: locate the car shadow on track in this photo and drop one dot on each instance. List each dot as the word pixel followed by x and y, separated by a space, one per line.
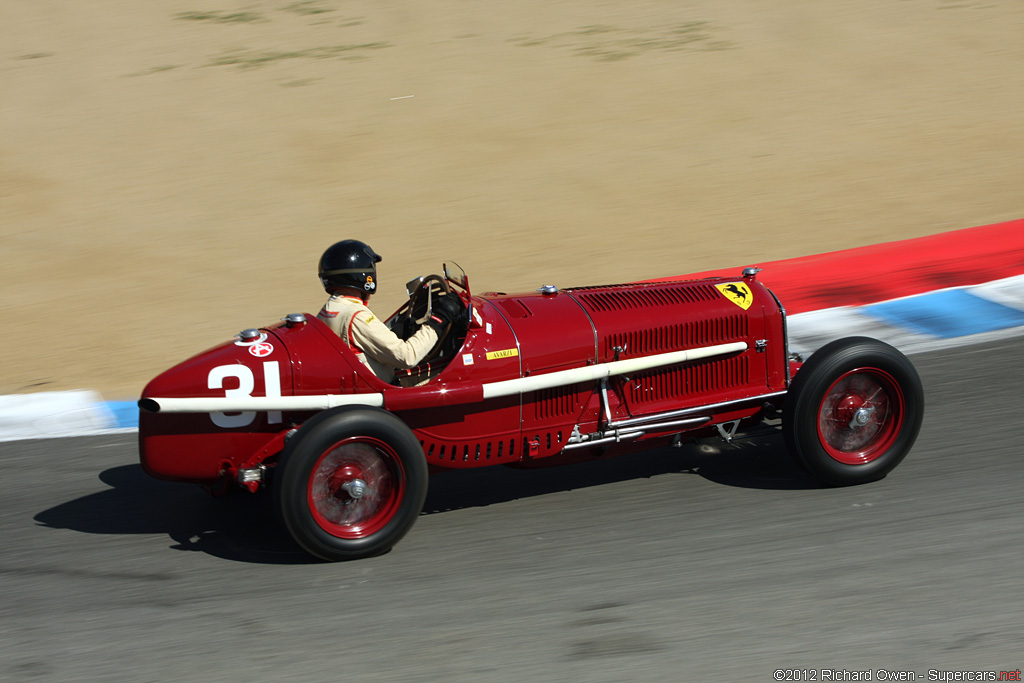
pixel 239 526
pixel 243 528
pixel 761 463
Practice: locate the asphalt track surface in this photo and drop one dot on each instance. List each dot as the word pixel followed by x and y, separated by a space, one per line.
pixel 680 564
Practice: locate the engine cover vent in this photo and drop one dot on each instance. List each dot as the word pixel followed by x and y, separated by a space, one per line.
pixel 625 297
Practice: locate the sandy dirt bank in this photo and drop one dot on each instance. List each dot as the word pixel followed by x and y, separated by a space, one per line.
pixel 170 172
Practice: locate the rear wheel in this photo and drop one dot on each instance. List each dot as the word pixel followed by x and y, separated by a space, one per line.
pixel 853 411
pixel 351 483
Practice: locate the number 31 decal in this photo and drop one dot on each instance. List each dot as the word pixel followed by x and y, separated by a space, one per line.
pixel 246 383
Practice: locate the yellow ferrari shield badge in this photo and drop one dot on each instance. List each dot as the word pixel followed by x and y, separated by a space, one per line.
pixel 738 293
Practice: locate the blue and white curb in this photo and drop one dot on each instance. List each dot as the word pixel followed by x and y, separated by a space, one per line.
pixel 942 319
pixel 959 316
pixel 63 413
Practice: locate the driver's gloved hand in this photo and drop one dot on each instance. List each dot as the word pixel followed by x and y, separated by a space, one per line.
pixel 445 309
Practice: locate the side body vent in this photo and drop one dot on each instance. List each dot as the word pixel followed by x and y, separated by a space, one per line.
pixel 470 453
pixel 685 335
pixel 473 453
pixel 674 386
pixel 557 402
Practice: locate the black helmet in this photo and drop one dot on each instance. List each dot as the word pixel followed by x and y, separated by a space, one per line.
pixel 349 263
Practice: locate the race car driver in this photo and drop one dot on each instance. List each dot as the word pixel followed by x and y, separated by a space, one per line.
pixel 348 272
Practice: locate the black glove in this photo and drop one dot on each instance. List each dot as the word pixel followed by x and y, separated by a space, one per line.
pixel 445 309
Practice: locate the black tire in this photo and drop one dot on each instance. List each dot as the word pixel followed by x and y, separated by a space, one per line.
pixel 853 411
pixel 324 465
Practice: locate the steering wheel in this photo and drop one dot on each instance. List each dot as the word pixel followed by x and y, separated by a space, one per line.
pixel 417 311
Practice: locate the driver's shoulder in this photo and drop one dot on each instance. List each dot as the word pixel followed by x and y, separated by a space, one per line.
pixel 366 316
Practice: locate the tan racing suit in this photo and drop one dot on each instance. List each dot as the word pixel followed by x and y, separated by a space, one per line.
pixel 370 338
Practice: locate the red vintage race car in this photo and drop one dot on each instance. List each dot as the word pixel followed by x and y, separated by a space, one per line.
pixel 543 378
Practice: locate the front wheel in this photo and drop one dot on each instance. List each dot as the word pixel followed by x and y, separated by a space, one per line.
pixel 853 411
pixel 350 483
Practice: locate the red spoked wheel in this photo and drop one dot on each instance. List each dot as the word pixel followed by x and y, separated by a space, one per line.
pixel 853 411
pixel 860 416
pixel 350 483
pixel 356 487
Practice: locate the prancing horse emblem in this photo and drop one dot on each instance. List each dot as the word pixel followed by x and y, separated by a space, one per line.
pixel 738 293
